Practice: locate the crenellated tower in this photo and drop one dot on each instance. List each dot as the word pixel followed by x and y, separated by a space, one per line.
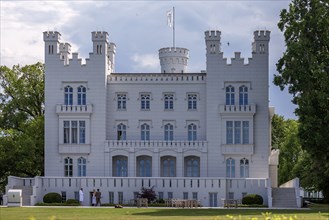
pixel 51 39
pixel 100 42
pixel 213 44
pixel 261 42
pixel 173 59
pixel 65 51
pixel 111 56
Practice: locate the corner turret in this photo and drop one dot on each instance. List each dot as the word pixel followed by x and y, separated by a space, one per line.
pixel 111 56
pixel 261 42
pixel 173 59
pixel 51 39
pixel 212 39
pixel 65 50
pixel 100 41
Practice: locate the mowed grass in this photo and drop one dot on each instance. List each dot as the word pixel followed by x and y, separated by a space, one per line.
pixel 319 212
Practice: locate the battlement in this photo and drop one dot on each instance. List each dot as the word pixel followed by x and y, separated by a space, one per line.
pixel 173 51
pixel 112 47
pixel 212 35
pixel 99 36
pixel 262 35
pixel 51 36
pixel 65 47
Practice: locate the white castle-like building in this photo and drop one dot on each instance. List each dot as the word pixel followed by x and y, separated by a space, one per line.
pixel 203 136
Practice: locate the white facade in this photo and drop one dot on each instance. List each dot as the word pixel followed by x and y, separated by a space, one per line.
pixel 197 135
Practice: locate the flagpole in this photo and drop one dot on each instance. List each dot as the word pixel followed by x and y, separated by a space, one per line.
pixel 173 27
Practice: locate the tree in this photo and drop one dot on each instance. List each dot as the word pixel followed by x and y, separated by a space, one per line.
pixel 149 194
pixel 21 121
pixel 304 70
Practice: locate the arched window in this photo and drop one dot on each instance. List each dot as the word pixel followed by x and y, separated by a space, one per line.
pixel 168 101
pixel 243 95
pixel 144 166
pixel 168 166
pixel 82 166
pixel 68 167
pixel 192 132
pixel 145 132
pixel 192 166
pixel 230 95
pixel 120 166
pixel 244 167
pixel 230 167
pixel 169 132
pixel 121 132
pixel 145 101
pixel 68 95
pixel 81 95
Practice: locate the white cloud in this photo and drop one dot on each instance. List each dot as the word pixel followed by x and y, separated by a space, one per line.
pixel 146 63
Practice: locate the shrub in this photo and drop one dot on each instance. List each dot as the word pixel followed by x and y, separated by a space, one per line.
pixel 72 202
pixel 52 198
pixel 149 194
pixel 252 199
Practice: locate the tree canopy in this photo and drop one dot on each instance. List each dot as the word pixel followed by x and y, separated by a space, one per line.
pixel 304 70
pixel 21 121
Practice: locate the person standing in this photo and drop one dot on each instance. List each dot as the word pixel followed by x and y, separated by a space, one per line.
pixel 93 198
pixel 98 197
pixel 81 196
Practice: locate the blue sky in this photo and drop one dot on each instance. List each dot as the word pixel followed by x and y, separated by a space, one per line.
pixel 139 29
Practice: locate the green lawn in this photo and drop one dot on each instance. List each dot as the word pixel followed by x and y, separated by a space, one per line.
pixel 82 213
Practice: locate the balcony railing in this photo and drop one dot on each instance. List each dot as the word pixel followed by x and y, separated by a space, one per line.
pixel 250 109
pixel 74 109
pixel 155 144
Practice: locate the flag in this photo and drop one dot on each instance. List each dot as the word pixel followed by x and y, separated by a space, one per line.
pixel 170 18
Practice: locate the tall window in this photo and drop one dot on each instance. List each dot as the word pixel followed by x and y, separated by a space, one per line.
pixel 192 166
pixel 237 132
pixel 192 101
pixel 82 163
pixel 230 95
pixel 81 95
pixel 145 132
pixel 68 95
pixel 121 132
pixel 120 166
pixel 145 101
pixel 122 101
pixel 74 132
pixel 168 166
pixel 244 167
pixel 192 132
pixel 144 166
pixel 169 132
pixel 168 101
pixel 230 167
pixel 243 95
pixel 68 167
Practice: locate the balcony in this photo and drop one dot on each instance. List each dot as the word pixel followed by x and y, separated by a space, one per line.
pixel 237 109
pixel 155 144
pixel 238 149
pixel 73 109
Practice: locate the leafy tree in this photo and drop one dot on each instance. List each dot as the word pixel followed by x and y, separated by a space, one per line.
pixel 304 70
pixel 149 194
pixel 21 121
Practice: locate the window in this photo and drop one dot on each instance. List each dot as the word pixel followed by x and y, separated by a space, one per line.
pixel 230 95
pixel 120 197
pixel 231 195
pixel 185 195
pixel 74 134
pixel 64 196
pixel 244 167
pixel 145 132
pixel 145 101
pixel 192 132
pixel 111 197
pixel 120 166
pixel 122 101
pixel 168 166
pixel 81 95
pixel 170 195
pixel 168 101
pixel 169 132
pixel 192 101
pixel 144 166
pixel 237 132
pixel 243 95
pixel 192 166
pixel 230 167
pixel 68 167
pixel 68 95
pixel 195 195
pixel 82 163
pixel 121 132
pixel 160 195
